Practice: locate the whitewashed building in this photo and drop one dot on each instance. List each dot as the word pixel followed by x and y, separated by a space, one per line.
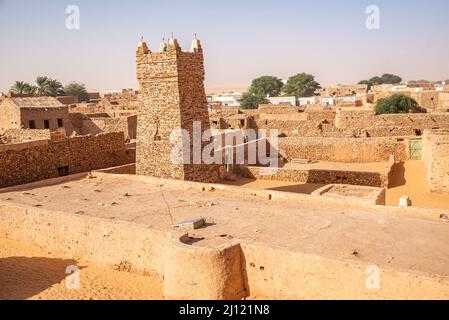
pixel 282 100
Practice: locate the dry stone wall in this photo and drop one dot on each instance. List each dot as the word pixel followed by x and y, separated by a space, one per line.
pixel 46 159
pixel 436 159
pixel 358 150
pixel 172 97
pixel 319 176
pixel 361 119
pixel 19 135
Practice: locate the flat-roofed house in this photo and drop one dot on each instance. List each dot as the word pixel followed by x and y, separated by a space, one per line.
pixel 34 113
pixel 283 100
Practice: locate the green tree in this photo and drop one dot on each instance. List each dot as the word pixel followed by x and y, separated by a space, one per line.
pixel 32 90
pixel 388 78
pixel 42 87
pixel 375 81
pixel 54 88
pixel 20 87
pixel 397 103
pixel 252 101
pixel 266 86
pixel 301 85
pixel 77 89
pixel 367 83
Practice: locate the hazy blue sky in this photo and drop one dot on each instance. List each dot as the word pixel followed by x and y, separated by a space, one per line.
pixel 242 39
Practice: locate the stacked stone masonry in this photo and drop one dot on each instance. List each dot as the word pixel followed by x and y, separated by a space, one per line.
pixel 172 97
pixel 356 150
pixel 436 158
pixel 29 162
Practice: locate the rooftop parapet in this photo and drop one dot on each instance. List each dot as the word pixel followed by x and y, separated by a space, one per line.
pixel 169 61
pixel 171 46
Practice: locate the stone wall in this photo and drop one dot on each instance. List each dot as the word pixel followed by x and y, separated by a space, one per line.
pixel 346 123
pixel 85 124
pixel 436 159
pixel 277 109
pixel 319 176
pixel 172 97
pixel 46 159
pixel 430 100
pixel 20 135
pixel 359 150
pixel 364 118
pixel 53 115
pixel 76 118
pixel 444 102
pixel 10 116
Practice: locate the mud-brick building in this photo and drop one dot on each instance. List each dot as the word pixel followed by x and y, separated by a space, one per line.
pixel 34 113
pixel 172 97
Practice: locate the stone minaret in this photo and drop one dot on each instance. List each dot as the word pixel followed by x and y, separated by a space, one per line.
pixel 172 96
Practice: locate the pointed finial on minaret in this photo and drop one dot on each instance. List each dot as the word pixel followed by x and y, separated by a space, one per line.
pixel 163 46
pixel 172 36
pixel 143 46
pixel 196 44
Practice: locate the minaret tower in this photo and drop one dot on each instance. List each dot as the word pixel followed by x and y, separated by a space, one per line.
pixel 172 97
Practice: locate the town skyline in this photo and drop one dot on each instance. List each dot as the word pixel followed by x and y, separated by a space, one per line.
pixel 239 48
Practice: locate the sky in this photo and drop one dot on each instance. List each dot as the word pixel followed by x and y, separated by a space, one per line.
pixel 241 39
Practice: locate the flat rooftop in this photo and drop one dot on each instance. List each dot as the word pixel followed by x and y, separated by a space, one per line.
pixel 373 235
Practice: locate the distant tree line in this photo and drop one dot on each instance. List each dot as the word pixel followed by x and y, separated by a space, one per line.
pixel 48 87
pixel 299 85
pixel 427 81
pixel 387 78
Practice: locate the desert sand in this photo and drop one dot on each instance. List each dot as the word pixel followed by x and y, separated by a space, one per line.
pixel 28 272
pixel 409 179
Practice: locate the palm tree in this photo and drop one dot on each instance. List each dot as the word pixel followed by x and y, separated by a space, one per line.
pixel 32 90
pixel 42 86
pixel 54 88
pixel 21 87
pixel 45 86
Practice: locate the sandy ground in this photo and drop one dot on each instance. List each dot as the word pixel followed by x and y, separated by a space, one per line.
pixel 409 179
pixel 363 167
pixel 28 272
pixel 226 88
pixel 305 188
pixel 395 240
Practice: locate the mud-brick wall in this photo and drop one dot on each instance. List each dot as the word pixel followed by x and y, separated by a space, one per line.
pixel 359 150
pixel 40 160
pixel 436 158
